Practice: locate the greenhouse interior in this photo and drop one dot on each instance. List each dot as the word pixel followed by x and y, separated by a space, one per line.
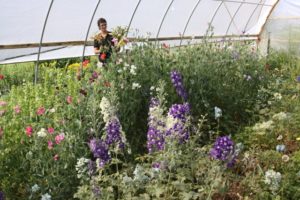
pixel 142 100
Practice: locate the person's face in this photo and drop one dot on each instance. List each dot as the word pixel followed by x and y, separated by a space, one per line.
pixel 103 27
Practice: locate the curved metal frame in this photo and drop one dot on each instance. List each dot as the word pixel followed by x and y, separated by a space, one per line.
pixel 163 19
pixel 232 20
pixel 212 19
pixel 231 17
pixel 36 70
pixel 87 33
pixel 250 17
pixel 132 16
pixel 188 21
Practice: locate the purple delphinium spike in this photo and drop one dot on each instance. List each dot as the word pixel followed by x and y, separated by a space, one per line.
pixel 298 79
pixel 155 134
pixel 179 111
pixel 113 131
pixel 176 79
pixel 155 140
pixel 223 149
pixel 100 150
pixel 154 102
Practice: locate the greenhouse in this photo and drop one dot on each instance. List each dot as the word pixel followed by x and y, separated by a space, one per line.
pixel 140 99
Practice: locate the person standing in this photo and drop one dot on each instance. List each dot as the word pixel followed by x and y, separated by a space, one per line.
pixel 103 42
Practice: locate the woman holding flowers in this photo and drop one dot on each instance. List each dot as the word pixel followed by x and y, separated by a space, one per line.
pixel 103 42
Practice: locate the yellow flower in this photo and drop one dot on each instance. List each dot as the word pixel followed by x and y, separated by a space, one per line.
pixel 298 138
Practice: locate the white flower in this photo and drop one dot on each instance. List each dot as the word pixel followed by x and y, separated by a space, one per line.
pixel 152 88
pixel 280 116
pixel 126 65
pixel 106 109
pixel 260 128
pixel 119 70
pixel 42 133
pixel 35 188
pixel 81 166
pixel 279 137
pixel 135 86
pixel 52 110
pixel 277 96
pixel 285 158
pixel 46 197
pixel 132 69
pixel 218 112
pixel 272 179
pixel 99 64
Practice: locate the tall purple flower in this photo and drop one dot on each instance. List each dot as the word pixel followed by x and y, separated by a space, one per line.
pixel 177 117
pixel 180 111
pixel 155 140
pixel 176 79
pixel 156 127
pixel 100 150
pixel 223 150
pixel 113 131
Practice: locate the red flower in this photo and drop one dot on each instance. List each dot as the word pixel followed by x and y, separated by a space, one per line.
pixel 1 76
pixel 103 56
pixel 29 130
pixel 85 63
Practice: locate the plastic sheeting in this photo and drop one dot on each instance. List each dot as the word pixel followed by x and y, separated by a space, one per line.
pixel 283 27
pixel 22 22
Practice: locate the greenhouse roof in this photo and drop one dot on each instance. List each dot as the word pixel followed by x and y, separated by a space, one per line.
pixel 63 28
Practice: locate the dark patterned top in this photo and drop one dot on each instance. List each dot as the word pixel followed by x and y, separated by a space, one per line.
pixel 104 44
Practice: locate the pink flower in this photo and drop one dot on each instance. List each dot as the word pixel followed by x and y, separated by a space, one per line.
pixel 3 103
pixel 40 111
pixel 50 145
pixel 56 157
pixel 1 76
pixel 115 41
pixel 17 109
pixel 59 138
pixel 50 130
pixel 69 99
pixel 29 130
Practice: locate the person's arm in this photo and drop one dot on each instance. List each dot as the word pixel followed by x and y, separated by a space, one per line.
pixel 96 47
pixel 96 50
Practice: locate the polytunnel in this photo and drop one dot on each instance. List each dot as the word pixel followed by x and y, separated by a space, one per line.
pixel 51 29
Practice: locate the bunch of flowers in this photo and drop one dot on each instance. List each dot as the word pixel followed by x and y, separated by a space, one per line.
pixel 177 81
pixel 119 38
pixel 224 150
